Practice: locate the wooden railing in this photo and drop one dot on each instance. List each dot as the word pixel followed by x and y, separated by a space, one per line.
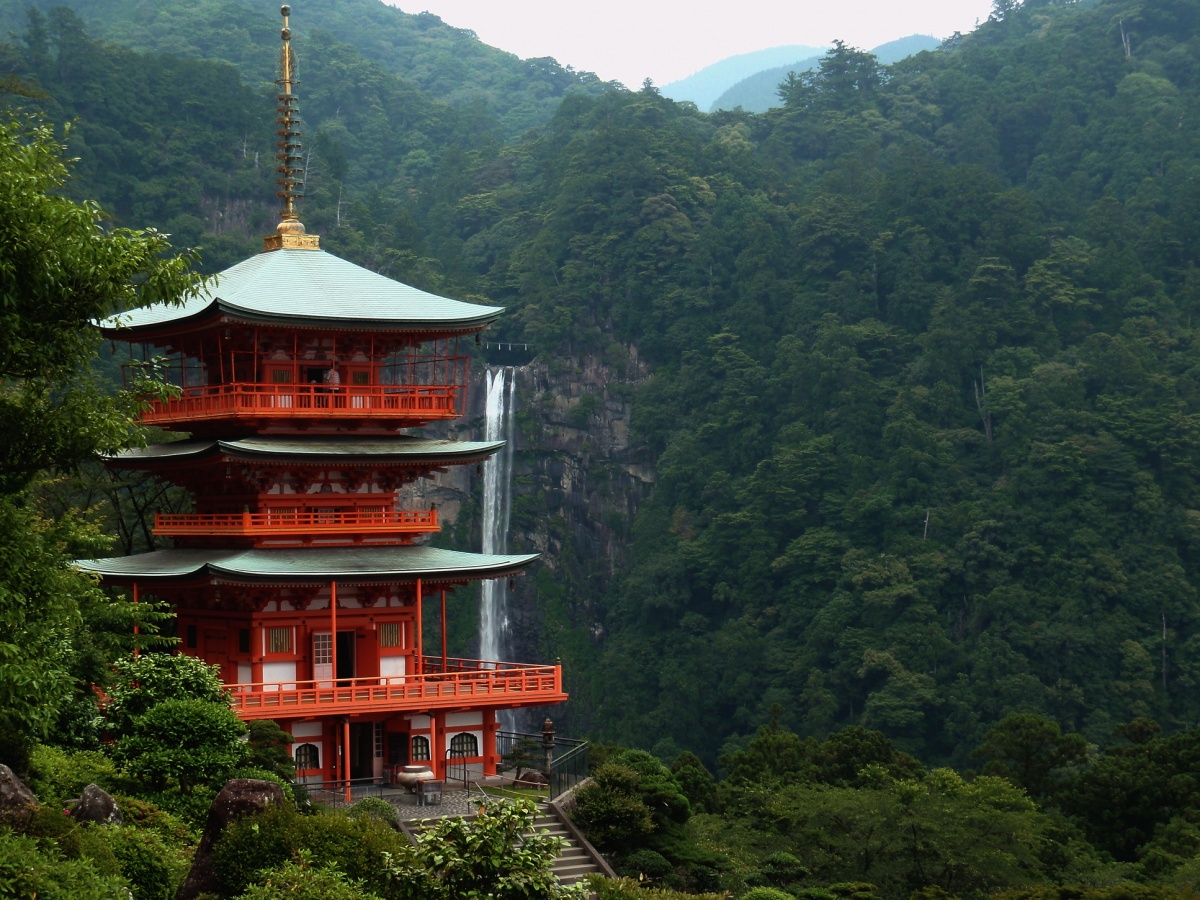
pixel 303 401
pixel 285 521
pixel 467 682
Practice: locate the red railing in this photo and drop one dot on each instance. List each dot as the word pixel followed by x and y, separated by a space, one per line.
pixel 299 401
pixel 465 682
pixel 285 521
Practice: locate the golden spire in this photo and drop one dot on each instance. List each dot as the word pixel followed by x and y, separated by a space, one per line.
pixel 289 233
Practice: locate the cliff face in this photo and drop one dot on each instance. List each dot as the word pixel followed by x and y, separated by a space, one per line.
pixel 578 479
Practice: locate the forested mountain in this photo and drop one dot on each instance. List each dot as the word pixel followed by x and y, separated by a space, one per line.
pixel 449 64
pixel 924 397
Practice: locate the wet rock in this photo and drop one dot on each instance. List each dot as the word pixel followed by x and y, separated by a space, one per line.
pixel 239 798
pixel 95 806
pixel 17 803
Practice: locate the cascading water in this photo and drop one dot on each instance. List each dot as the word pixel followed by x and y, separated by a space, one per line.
pixel 497 502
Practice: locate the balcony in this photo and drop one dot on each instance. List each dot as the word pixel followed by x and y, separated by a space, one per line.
pixel 461 684
pixel 394 405
pixel 287 522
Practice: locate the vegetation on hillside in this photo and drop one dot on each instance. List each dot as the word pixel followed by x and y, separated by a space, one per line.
pixel 924 416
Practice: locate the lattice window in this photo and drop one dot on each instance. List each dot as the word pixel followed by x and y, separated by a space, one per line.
pixel 389 634
pixel 308 756
pixel 420 748
pixel 464 744
pixel 279 639
pixel 323 649
pixel 379 740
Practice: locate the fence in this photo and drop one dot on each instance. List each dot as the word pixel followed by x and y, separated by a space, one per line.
pixel 568 758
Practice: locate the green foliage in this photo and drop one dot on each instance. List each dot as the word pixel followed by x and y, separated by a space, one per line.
pixel 183 743
pixel 497 855
pixel 1028 750
pixel 56 775
pixel 376 808
pixel 610 810
pixel 300 881
pixel 141 682
pixel 628 889
pixel 269 748
pixel 153 869
pixel 765 893
pixel 360 848
pixel 33 871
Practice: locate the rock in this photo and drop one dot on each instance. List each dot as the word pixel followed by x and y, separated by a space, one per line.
pixel 17 802
pixel 96 807
pixel 239 798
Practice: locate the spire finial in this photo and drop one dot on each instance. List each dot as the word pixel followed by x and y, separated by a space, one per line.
pixel 290 231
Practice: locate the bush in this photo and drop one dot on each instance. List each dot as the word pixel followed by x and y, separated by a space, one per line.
pixel 144 814
pixel 144 681
pixel 375 807
pixel 648 863
pixel 300 881
pixel 28 870
pixel 627 889
pixel 154 870
pixel 778 870
pixel 57 775
pixel 766 893
pixel 184 743
pixel 258 844
pixel 610 813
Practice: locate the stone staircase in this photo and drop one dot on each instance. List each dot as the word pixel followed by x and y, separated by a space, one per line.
pixel 577 859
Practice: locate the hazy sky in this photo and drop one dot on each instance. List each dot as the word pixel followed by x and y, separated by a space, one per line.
pixel 665 40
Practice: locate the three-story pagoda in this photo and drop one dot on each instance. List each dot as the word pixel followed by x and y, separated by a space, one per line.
pixel 299 573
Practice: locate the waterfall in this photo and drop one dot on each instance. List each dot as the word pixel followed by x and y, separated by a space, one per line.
pixel 497 502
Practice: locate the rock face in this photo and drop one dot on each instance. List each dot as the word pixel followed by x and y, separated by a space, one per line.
pixel 578 478
pixel 17 802
pixel 96 807
pixel 239 798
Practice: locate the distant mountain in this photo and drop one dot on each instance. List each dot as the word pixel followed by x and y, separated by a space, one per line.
pixel 705 86
pixel 757 93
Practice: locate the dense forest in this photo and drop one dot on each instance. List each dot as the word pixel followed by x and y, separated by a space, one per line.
pixel 925 397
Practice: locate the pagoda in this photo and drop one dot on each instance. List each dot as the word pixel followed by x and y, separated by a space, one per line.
pixel 298 377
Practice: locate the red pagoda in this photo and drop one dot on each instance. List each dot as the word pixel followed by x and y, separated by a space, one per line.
pixel 299 574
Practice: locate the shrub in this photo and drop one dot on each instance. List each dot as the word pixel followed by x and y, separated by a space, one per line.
pixel 300 881
pixel 57 775
pixel 144 814
pixel 627 889
pixel 648 863
pixel 610 813
pixel 28 869
pixel 142 682
pixel 258 844
pixel 766 893
pixel 187 743
pixel 375 807
pixel 154 870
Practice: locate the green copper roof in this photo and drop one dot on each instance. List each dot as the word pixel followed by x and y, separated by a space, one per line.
pixel 401 448
pixel 310 564
pixel 311 287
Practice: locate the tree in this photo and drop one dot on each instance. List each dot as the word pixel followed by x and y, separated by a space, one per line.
pixel 141 682
pixel 1028 750
pixel 60 271
pixel 184 744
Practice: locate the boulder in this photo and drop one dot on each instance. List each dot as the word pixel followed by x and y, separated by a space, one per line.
pixel 17 802
pixel 96 807
pixel 239 798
